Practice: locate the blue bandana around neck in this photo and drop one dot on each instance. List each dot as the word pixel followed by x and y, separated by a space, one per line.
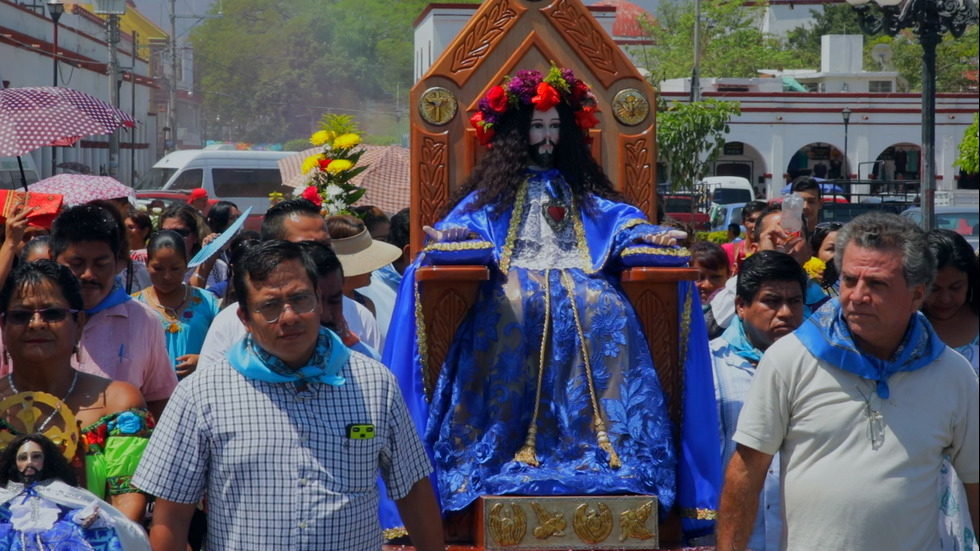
pixel 826 336
pixel 328 358
pixel 734 335
pixel 115 297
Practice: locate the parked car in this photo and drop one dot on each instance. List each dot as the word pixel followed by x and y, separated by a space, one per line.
pixel 845 212
pixel 723 215
pixel 10 172
pixel 964 220
pixel 679 208
pixel 726 189
pixel 245 178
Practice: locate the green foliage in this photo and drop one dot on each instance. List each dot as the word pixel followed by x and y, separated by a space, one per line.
pixel 339 124
pixel 732 42
pixel 968 159
pixel 719 237
pixel 955 57
pixel 299 144
pixel 266 68
pixel 831 19
pixel 690 136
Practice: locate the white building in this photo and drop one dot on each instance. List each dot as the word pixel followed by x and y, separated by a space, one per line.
pixel 784 134
pixel 26 59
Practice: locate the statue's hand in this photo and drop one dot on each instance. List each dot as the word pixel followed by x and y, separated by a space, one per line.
pixel 669 238
pixel 452 233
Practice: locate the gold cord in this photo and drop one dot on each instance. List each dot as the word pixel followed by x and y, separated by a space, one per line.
pixel 600 426
pixel 528 453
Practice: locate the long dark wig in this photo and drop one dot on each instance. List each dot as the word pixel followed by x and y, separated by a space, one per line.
pixel 55 464
pixel 502 170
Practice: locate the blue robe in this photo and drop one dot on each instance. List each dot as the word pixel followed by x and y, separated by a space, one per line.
pixel 596 367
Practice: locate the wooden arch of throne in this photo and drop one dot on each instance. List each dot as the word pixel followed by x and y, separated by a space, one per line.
pixel 502 37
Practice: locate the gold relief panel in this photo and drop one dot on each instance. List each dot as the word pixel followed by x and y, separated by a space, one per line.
pixel 614 522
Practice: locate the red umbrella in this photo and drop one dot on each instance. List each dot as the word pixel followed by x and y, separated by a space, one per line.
pixel 82 188
pixel 35 117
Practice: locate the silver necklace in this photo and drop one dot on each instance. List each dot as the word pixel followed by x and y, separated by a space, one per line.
pixel 172 312
pixel 40 428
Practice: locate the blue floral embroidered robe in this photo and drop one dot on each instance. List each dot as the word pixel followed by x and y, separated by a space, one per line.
pixel 518 360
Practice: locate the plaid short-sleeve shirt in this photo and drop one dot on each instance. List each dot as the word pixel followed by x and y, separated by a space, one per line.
pixel 277 463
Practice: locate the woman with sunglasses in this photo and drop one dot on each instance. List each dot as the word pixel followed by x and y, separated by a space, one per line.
pixel 186 312
pixel 42 319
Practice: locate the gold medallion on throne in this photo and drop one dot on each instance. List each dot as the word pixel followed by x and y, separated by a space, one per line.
pixel 437 106
pixel 630 107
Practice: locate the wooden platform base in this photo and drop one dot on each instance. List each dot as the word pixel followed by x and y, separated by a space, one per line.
pixel 552 523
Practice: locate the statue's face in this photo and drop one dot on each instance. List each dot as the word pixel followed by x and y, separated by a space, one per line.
pixel 543 137
pixel 30 460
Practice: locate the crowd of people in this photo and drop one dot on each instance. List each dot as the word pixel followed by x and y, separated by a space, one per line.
pixel 272 395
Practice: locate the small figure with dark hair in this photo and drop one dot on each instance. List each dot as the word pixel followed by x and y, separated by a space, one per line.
pixel 41 509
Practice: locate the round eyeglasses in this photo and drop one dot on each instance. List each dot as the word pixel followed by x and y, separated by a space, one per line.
pixel 272 310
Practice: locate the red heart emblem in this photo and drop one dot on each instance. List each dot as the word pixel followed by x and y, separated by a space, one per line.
pixel 556 213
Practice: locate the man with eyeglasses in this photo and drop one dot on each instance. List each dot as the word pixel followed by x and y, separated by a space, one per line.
pixel 769 306
pixel 122 339
pixel 861 402
pixel 289 389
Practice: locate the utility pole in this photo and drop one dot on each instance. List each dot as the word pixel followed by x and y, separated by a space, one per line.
pixel 132 99
pixel 172 97
pixel 112 35
pixel 55 9
pixel 695 72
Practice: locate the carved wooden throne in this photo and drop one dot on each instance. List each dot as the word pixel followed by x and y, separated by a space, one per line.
pixel 505 36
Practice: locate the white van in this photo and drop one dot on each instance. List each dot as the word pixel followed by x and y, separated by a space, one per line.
pixel 724 190
pixel 245 178
pixel 10 172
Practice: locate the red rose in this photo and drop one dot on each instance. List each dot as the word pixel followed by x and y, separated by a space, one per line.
pixel 313 194
pixel 547 97
pixel 579 91
pixel 497 98
pixel 323 163
pixel 585 118
pixel 483 134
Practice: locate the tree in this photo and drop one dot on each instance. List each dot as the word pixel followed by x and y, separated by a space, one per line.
pixel 270 69
pixel 956 58
pixel 690 136
pixel 732 42
pixel 969 159
pixel 831 19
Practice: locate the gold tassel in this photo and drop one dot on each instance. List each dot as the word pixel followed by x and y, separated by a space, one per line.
pixel 528 454
pixel 605 444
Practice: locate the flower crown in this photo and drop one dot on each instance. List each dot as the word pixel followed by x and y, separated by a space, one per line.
pixel 530 88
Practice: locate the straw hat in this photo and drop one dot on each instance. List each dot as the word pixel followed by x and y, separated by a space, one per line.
pixel 360 254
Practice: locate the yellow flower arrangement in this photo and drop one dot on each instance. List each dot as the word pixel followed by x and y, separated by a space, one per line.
pixel 337 166
pixel 329 173
pixel 310 163
pixel 815 268
pixel 320 137
pixel 346 141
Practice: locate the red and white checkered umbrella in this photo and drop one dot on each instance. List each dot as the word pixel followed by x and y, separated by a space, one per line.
pixel 82 188
pixel 35 117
